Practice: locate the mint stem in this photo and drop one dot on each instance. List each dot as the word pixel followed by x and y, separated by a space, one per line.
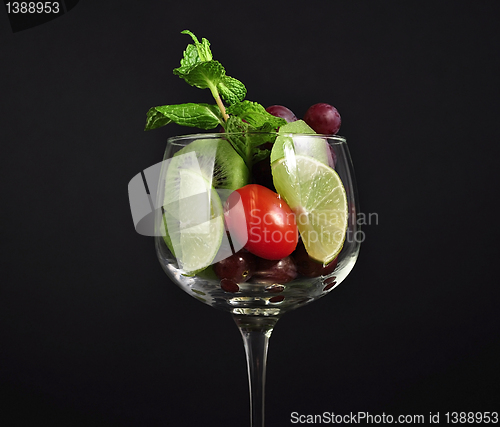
pixel 218 100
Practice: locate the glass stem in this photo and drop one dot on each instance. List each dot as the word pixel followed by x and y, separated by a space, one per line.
pixel 256 332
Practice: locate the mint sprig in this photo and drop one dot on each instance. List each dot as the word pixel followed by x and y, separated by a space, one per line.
pixel 199 69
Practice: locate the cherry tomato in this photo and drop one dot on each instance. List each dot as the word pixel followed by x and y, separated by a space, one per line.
pixel 261 221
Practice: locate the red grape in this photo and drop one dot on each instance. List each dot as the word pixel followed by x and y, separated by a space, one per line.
pixel 229 285
pixel 239 267
pixel 332 157
pixel 309 267
pixel 275 271
pixel 323 118
pixel 330 283
pixel 283 112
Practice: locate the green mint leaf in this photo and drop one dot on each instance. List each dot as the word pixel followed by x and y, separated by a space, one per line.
pixel 189 60
pixel 237 128
pixel 255 114
pixel 248 147
pixel 204 74
pixel 155 119
pixel 203 116
pixel 204 52
pixel 231 90
pixel 193 55
pixel 260 155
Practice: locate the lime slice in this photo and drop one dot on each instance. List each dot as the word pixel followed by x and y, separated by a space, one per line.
pixel 316 195
pixel 193 219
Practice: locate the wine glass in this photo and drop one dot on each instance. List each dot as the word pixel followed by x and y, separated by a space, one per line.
pixel 193 241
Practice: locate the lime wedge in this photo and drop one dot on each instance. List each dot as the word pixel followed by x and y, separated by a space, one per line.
pixel 316 195
pixel 294 137
pixel 193 219
pixel 298 126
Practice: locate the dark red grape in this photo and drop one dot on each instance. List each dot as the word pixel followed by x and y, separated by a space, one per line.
pixel 309 267
pixel 275 289
pixel 238 268
pixel 229 285
pixel 275 271
pixel 323 118
pixel 332 157
pixel 330 283
pixel 283 112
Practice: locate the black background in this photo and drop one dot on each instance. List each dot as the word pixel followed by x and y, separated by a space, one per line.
pixel 92 332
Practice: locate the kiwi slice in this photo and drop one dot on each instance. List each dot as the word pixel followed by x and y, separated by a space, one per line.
pixel 220 166
pixel 218 162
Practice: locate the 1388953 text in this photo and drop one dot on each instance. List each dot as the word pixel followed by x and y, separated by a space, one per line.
pixel 33 7
pixel 471 417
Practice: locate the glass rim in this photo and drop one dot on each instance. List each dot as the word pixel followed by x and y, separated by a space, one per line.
pixel 335 139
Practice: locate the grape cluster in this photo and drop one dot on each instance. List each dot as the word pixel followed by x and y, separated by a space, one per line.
pixel 323 118
pixel 243 266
